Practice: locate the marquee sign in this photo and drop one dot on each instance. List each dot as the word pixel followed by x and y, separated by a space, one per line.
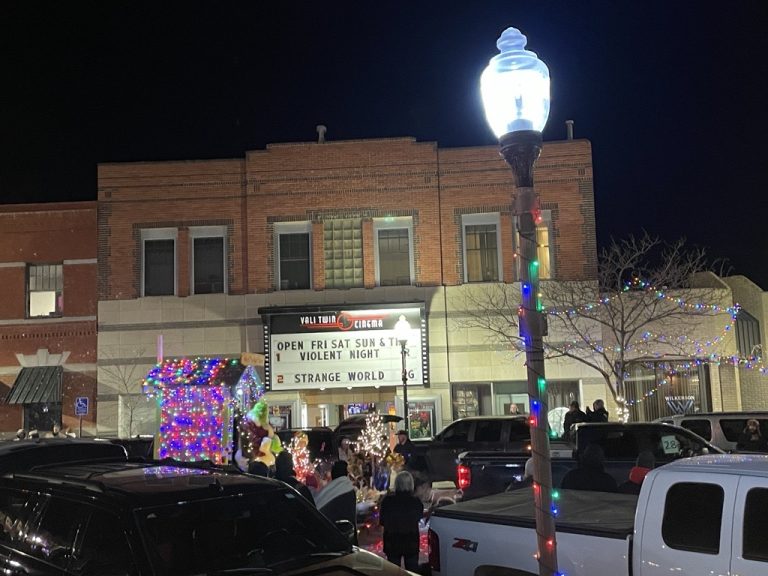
pixel 342 347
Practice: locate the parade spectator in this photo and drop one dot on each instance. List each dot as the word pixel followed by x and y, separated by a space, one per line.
pixel 751 439
pixel 404 446
pixel 598 412
pixel 399 515
pixel 258 468
pixel 590 473
pixel 338 500
pixel 644 464
pixel 285 473
pixel 574 415
pixel 345 450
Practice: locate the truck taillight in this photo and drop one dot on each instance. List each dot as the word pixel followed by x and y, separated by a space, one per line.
pixel 464 476
pixel 434 550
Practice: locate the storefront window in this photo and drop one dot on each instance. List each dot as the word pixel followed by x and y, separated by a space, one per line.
pixel 658 389
pixel 471 400
pixel 421 418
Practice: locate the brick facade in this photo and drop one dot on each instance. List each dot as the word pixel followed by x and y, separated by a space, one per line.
pixel 355 179
pixel 57 233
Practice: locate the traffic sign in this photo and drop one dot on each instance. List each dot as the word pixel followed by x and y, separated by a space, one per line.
pixel 81 406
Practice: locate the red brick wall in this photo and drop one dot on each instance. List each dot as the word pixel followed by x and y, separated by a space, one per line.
pixel 362 179
pixel 139 195
pixel 47 234
pixel 13 303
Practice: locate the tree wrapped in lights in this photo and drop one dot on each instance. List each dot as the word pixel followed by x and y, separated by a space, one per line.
pixel 373 440
pixel 302 463
pixel 649 300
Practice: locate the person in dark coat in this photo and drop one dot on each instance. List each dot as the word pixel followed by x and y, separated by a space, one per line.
pixel 404 446
pixel 598 412
pixel 644 464
pixel 590 474
pixel 399 515
pixel 751 440
pixel 338 501
pixel 574 415
pixel 284 472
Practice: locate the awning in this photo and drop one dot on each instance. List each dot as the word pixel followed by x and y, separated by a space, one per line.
pixel 37 385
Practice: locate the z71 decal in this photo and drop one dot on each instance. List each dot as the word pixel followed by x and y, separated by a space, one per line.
pixel 464 544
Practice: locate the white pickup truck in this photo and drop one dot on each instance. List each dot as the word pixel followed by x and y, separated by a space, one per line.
pixel 695 516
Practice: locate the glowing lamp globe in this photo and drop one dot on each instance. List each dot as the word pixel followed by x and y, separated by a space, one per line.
pixel 402 330
pixel 515 87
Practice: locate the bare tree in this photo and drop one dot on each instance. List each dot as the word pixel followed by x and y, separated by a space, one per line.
pixel 125 376
pixel 650 300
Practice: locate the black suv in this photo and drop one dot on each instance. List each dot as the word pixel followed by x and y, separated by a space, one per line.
pixel 110 516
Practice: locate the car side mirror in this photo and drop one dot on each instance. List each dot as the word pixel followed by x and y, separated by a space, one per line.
pixel 347 528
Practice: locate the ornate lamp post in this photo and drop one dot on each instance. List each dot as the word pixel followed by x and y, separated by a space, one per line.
pixel 515 90
pixel 402 331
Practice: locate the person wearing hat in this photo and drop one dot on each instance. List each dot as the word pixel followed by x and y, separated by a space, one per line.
pixel 751 440
pixel 644 464
pixel 404 446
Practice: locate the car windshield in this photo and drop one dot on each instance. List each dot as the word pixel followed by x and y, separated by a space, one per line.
pixel 270 532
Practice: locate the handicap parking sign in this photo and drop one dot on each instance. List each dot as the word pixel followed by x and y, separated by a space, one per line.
pixel 81 406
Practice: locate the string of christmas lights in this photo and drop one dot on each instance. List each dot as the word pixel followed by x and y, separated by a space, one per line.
pixel 195 408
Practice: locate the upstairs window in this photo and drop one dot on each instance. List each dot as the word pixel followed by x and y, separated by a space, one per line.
pixel 482 256
pixel 44 290
pixel 158 270
pixel 208 260
pixel 748 334
pixel 293 255
pixel 544 249
pixel 343 251
pixel 394 253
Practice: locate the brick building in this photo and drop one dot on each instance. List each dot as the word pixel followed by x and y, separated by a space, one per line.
pixel 213 255
pixel 310 252
pixel 47 315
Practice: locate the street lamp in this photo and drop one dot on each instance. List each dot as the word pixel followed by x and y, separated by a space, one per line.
pixel 402 331
pixel 515 90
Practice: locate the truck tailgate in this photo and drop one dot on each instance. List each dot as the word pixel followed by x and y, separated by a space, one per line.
pixel 593 531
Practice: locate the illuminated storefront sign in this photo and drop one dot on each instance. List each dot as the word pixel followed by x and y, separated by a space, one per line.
pixel 324 347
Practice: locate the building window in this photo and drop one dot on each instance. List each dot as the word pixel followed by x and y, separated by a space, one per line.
pixel 748 334
pixel 482 256
pixel 394 253
pixel 158 268
pixel 293 257
pixel 343 248
pixel 45 285
pixel 208 259
pixel 544 250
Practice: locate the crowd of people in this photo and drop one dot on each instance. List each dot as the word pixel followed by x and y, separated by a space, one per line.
pixel 400 510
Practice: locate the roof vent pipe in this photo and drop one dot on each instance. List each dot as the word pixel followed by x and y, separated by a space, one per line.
pixel 321 133
pixel 569 129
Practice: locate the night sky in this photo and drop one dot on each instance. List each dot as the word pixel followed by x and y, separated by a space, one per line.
pixel 672 94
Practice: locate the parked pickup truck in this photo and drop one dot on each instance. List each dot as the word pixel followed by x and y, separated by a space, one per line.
pixel 489 472
pixel 434 459
pixel 703 515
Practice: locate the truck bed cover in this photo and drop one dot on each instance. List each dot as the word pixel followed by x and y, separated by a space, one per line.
pixel 580 512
